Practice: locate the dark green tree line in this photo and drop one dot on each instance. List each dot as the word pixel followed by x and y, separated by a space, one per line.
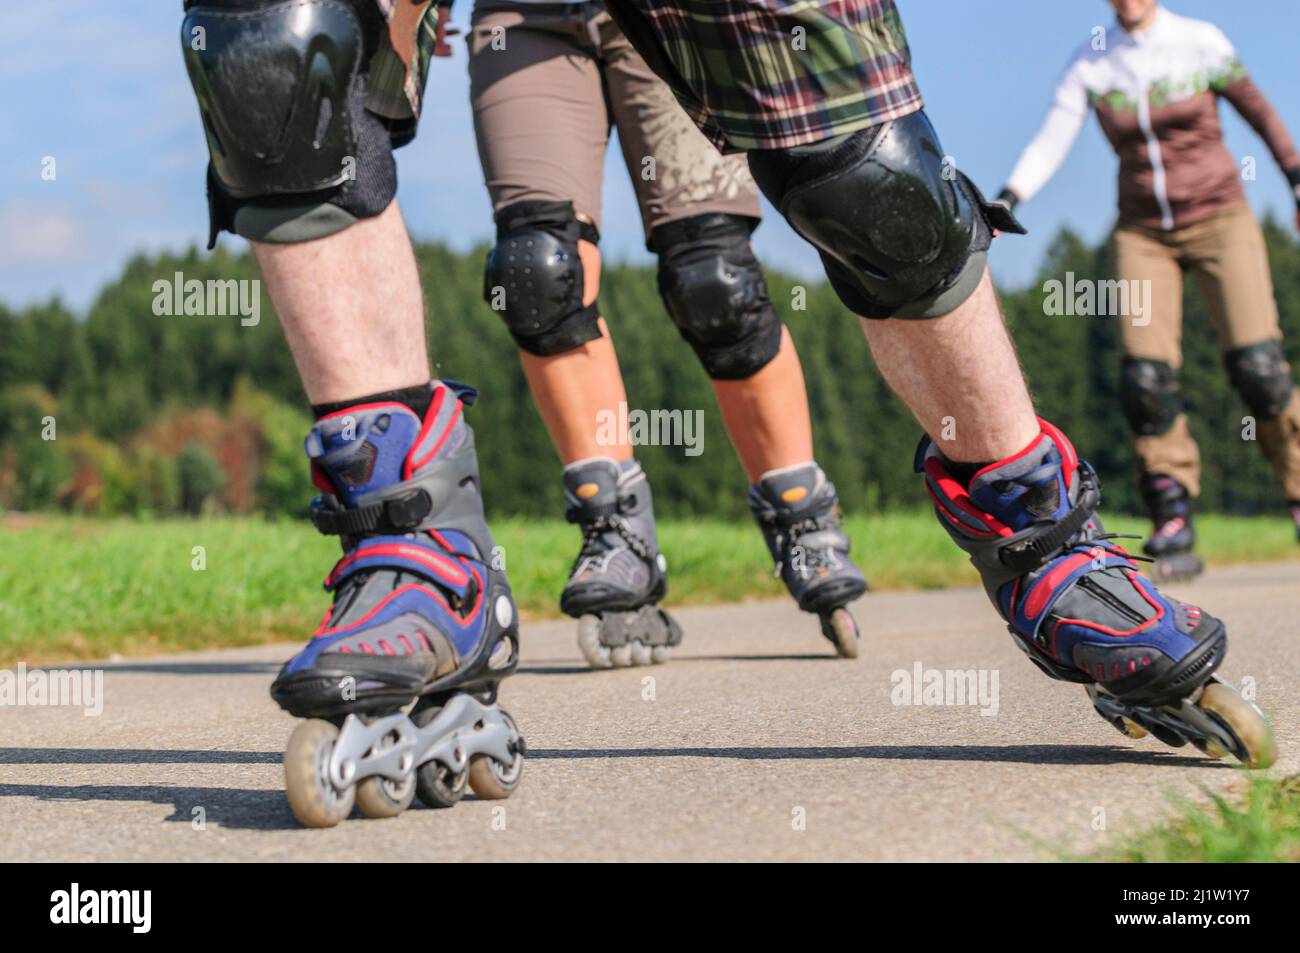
pixel 126 382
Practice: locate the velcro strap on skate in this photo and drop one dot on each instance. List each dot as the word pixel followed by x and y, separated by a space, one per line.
pixel 419 556
pixel 388 516
pixel 1027 554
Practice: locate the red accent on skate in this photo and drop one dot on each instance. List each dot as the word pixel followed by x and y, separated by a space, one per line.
pixel 410 649
pixel 365 647
pixel 1132 665
pixel 410 466
pixel 387 649
pixel 1069 458
pixel 431 593
pixel 321 480
pixel 346 650
pixel 1047 585
pixel 424 641
pixel 955 495
pixel 442 566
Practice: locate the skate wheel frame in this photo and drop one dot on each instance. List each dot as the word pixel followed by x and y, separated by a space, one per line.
pixel 1219 722
pixel 636 637
pixel 381 763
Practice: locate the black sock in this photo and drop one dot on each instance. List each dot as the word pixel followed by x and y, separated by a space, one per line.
pixel 965 472
pixel 417 398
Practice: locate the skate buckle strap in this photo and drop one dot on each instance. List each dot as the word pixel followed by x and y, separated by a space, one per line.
pixel 387 516
pixel 1035 549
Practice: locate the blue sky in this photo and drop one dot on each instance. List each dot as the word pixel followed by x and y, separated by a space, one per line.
pixel 100 87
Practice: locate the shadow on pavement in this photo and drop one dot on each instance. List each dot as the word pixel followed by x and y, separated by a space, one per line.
pixel 194 668
pixel 134 756
pixel 237 809
pixel 1015 754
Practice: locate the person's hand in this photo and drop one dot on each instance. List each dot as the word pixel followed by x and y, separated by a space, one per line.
pixel 441 31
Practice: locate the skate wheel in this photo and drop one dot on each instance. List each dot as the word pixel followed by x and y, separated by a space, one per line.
pixel 1244 723
pixel 640 653
pixel 620 656
pixel 492 780
pixel 1129 727
pixel 661 654
pixel 841 628
pixel 312 796
pixel 437 785
pixel 597 655
pixel 377 796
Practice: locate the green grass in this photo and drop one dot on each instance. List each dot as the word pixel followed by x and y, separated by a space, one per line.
pixel 1259 822
pixel 74 588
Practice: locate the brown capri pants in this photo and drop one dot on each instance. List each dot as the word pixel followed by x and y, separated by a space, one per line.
pixel 547 81
pixel 1227 253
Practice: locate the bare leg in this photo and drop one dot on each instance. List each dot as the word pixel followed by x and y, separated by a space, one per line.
pixel 767 414
pixel 960 377
pixel 351 309
pixel 572 390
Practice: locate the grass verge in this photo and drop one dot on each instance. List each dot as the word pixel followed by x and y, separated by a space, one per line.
pixel 74 589
pixel 1258 822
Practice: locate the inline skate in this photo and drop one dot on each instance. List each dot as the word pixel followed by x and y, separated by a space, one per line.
pixel 1172 536
pixel 619 576
pixel 799 515
pixel 1078 607
pixel 399 683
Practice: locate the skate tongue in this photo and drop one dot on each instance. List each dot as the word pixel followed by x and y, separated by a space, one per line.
pixel 362 449
pixel 789 487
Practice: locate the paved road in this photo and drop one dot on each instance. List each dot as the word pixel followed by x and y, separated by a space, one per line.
pixel 752 744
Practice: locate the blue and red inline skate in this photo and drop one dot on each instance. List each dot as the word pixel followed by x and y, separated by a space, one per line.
pixel 399 683
pixel 1077 605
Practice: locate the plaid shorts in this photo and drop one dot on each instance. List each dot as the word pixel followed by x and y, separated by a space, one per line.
pixel 770 74
pixel 399 67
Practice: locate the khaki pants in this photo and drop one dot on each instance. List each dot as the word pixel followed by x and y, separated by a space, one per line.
pixel 1227 254
pixel 546 84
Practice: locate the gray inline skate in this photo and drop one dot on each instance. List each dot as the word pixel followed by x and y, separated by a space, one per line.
pixel 798 512
pixel 619 576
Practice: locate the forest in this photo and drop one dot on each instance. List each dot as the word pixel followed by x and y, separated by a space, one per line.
pixel 132 409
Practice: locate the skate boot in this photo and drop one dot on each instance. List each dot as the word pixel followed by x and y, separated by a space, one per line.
pixel 1173 536
pixel 799 514
pixel 619 576
pixel 1076 604
pixel 400 680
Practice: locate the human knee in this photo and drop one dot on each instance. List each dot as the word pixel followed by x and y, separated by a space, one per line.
pixel 281 87
pixel 713 286
pixel 901 232
pixel 534 277
pixel 1150 394
pixel 1262 376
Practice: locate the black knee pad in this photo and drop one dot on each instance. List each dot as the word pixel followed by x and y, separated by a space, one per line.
pixel 714 289
pixel 901 233
pixel 1150 395
pixel 281 87
pixel 534 277
pixel 1262 376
